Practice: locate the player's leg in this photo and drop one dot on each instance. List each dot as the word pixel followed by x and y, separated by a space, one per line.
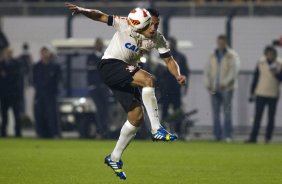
pixel 143 79
pixel 127 133
pixel 146 81
pixel 118 76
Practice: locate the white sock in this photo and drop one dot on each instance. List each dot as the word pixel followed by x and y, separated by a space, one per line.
pixel 151 105
pixel 127 133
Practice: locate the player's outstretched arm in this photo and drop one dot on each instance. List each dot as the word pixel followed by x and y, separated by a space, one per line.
pixel 90 13
pixel 173 68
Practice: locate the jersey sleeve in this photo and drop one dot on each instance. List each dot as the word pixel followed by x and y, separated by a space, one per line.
pixel 162 46
pixel 119 23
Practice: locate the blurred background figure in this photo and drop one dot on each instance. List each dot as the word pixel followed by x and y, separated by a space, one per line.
pixel 4 43
pixel 10 91
pixel 265 91
pixel 25 62
pixel 46 78
pixel 170 92
pixel 97 89
pixel 220 80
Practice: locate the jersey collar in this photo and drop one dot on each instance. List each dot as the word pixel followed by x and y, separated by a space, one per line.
pixel 137 36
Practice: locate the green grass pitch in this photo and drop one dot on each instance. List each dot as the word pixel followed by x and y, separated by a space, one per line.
pixel 33 161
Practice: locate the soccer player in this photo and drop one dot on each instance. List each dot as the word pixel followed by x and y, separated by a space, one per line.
pixel 135 35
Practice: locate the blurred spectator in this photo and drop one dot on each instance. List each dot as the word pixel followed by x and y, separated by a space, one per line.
pixel 10 91
pixel 3 42
pixel 220 80
pixel 46 77
pixel 265 91
pixel 97 89
pixel 25 61
pixel 170 90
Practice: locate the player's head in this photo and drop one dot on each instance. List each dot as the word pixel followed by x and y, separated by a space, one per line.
pixel 222 42
pixel 139 19
pixel 153 12
pixel 270 53
pixel 152 28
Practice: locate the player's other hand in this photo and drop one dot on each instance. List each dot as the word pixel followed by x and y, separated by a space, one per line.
pixel 181 79
pixel 73 8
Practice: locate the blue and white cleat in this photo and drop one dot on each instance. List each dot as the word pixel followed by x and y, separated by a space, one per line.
pixel 163 135
pixel 116 166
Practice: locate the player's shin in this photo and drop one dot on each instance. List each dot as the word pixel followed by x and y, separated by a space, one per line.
pixel 151 105
pixel 127 133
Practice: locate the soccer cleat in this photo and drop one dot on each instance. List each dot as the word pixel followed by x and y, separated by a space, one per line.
pixel 163 135
pixel 116 166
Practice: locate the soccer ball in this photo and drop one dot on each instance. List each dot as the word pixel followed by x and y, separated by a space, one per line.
pixel 138 19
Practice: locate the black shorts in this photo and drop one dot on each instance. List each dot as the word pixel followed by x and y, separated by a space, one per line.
pixel 118 75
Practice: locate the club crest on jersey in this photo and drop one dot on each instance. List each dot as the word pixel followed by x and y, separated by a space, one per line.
pixel 132 47
pixel 130 68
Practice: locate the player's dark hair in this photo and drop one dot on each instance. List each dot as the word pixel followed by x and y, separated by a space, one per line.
pixel 270 49
pixel 153 12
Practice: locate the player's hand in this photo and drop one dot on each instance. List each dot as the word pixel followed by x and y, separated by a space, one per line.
pixel 181 79
pixel 73 8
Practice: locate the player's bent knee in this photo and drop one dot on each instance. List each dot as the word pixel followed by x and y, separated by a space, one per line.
pixel 149 81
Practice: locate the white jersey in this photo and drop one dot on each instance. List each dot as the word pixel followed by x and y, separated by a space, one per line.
pixel 128 45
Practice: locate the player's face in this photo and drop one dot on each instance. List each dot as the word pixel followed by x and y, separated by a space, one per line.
pixel 151 31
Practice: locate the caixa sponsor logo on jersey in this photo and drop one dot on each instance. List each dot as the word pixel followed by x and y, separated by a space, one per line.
pixel 131 47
